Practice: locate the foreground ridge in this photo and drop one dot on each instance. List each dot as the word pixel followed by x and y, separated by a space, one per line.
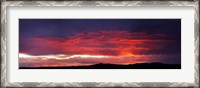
pixel 154 65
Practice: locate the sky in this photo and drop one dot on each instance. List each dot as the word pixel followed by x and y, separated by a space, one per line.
pixel 81 42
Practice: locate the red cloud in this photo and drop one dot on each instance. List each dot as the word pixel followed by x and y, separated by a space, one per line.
pixel 115 43
pixel 122 47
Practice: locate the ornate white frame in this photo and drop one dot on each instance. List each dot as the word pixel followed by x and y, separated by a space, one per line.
pixel 5 4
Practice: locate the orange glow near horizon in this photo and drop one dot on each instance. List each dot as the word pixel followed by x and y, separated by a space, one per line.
pixel 115 47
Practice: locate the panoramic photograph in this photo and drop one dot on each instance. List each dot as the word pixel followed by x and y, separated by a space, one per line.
pixel 99 44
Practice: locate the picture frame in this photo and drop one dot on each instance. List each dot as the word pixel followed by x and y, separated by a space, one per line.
pixel 4 45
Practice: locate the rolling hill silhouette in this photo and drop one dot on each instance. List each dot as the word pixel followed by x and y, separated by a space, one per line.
pixel 154 65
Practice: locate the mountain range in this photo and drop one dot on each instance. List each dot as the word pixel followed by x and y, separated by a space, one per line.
pixel 154 65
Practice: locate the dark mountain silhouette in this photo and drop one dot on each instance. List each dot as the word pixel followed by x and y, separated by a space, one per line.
pixel 154 65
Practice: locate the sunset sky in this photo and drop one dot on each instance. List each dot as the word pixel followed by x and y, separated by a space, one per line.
pixel 78 42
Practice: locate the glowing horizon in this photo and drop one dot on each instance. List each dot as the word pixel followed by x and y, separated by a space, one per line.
pixel 60 56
